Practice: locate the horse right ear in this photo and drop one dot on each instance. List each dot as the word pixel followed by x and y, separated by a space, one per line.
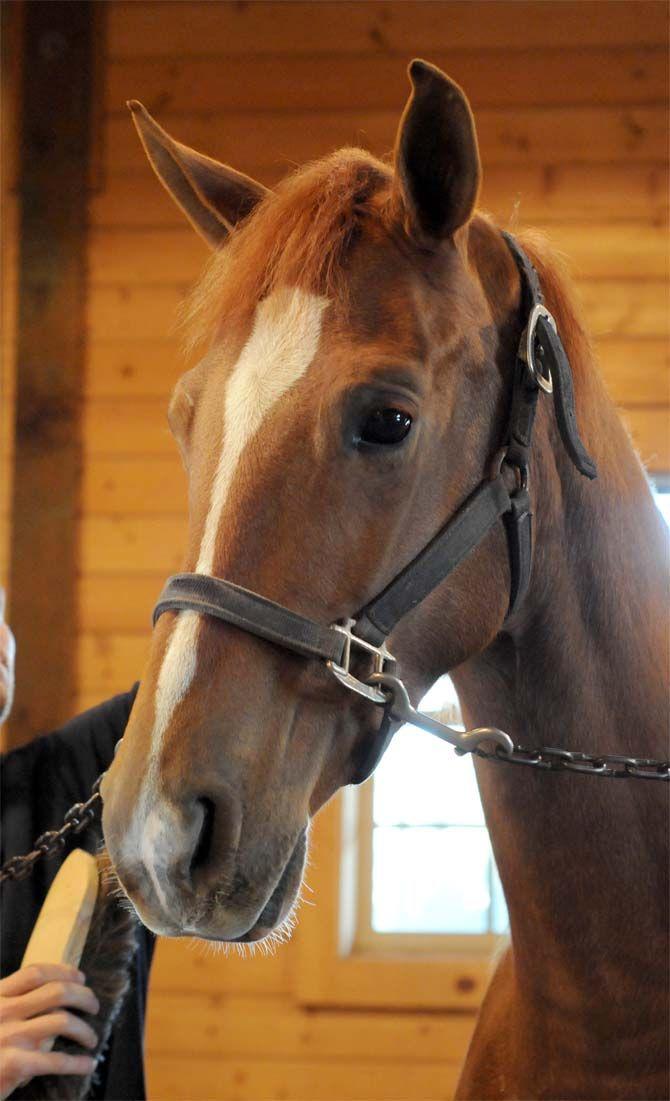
pixel 213 196
pixel 437 170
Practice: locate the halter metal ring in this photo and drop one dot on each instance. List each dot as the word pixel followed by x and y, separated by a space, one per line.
pixel 527 347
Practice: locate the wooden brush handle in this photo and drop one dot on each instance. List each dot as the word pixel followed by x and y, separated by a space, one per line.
pixel 62 925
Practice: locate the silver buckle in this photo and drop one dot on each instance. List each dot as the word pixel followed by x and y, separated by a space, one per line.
pixel 527 347
pixel 382 660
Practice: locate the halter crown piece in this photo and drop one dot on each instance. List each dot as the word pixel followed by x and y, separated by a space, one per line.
pixel 541 366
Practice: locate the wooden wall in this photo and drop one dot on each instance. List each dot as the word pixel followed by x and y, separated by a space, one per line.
pixel 571 107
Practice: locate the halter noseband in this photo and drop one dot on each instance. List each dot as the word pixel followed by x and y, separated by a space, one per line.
pixel 541 366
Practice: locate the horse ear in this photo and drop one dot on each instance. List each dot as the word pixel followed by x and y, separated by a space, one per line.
pixel 213 196
pixel 437 160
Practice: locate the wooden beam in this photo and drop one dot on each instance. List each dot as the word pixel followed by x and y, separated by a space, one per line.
pixel 57 95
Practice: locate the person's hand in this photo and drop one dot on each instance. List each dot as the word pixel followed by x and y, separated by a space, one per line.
pixel 34 1010
pixel 7 654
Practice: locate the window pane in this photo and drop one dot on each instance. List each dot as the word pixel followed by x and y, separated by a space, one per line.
pixel 499 915
pixel 432 866
pixel 431 880
pixel 662 498
pixel 442 697
pixel 421 781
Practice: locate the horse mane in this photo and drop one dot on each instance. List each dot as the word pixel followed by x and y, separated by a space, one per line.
pixel 299 234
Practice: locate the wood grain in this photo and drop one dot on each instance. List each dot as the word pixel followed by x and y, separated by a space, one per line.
pixel 524 136
pixel 175 1078
pixel 298 29
pixel 542 76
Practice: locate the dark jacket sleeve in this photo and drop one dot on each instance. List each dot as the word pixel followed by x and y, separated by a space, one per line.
pixel 39 782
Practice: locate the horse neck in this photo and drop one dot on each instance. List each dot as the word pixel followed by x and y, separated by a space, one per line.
pixel 584 668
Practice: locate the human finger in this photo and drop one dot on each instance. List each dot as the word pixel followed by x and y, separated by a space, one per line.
pixel 20 1065
pixel 52 995
pixel 37 974
pixel 50 1025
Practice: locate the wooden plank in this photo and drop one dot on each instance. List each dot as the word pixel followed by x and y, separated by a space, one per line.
pixel 172 1079
pixel 340 28
pixel 596 250
pixel 578 193
pixel 650 430
pixel 116 544
pixel 143 487
pixel 121 312
pixel 204 1025
pixel 182 966
pixel 623 308
pixel 637 372
pixel 543 194
pixel 118 604
pixel 134 368
pixel 521 136
pixel 117 427
pixel 57 103
pixel 110 663
pixel 139 257
pixel 543 76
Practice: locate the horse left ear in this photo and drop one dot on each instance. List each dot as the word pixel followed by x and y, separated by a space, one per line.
pixel 213 196
pixel 437 159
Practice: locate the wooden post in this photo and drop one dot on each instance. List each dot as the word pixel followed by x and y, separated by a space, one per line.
pixel 56 103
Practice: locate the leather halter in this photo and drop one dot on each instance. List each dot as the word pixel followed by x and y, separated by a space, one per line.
pixel 541 366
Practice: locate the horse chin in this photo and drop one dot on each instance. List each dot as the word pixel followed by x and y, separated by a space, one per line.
pixel 275 920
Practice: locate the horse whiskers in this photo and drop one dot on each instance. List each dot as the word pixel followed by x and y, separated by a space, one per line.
pixel 111 882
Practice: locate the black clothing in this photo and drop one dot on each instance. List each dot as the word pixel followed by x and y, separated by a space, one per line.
pixel 40 781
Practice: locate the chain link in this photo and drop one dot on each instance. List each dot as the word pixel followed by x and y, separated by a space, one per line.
pixel 76 820
pixel 609 765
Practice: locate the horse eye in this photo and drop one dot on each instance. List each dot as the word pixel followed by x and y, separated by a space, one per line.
pixel 385 427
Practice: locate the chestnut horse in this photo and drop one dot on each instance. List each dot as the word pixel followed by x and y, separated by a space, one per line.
pixel 362 324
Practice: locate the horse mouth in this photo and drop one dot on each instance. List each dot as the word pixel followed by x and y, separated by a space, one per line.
pixel 279 906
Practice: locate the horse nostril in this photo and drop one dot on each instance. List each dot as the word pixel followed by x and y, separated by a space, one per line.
pixel 204 843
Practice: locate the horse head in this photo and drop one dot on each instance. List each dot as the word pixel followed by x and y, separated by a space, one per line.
pixel 361 325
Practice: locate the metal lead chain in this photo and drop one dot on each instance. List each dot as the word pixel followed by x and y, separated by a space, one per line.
pixel 609 765
pixel 76 820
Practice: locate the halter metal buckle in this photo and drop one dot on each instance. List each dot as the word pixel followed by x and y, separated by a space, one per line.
pixel 382 660
pixel 527 347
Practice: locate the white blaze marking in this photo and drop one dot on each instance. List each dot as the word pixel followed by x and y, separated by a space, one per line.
pixel 282 344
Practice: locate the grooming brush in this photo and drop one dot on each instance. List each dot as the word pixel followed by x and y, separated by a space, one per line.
pixel 82 923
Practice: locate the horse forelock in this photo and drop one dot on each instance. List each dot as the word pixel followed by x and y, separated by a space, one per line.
pixel 299 235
